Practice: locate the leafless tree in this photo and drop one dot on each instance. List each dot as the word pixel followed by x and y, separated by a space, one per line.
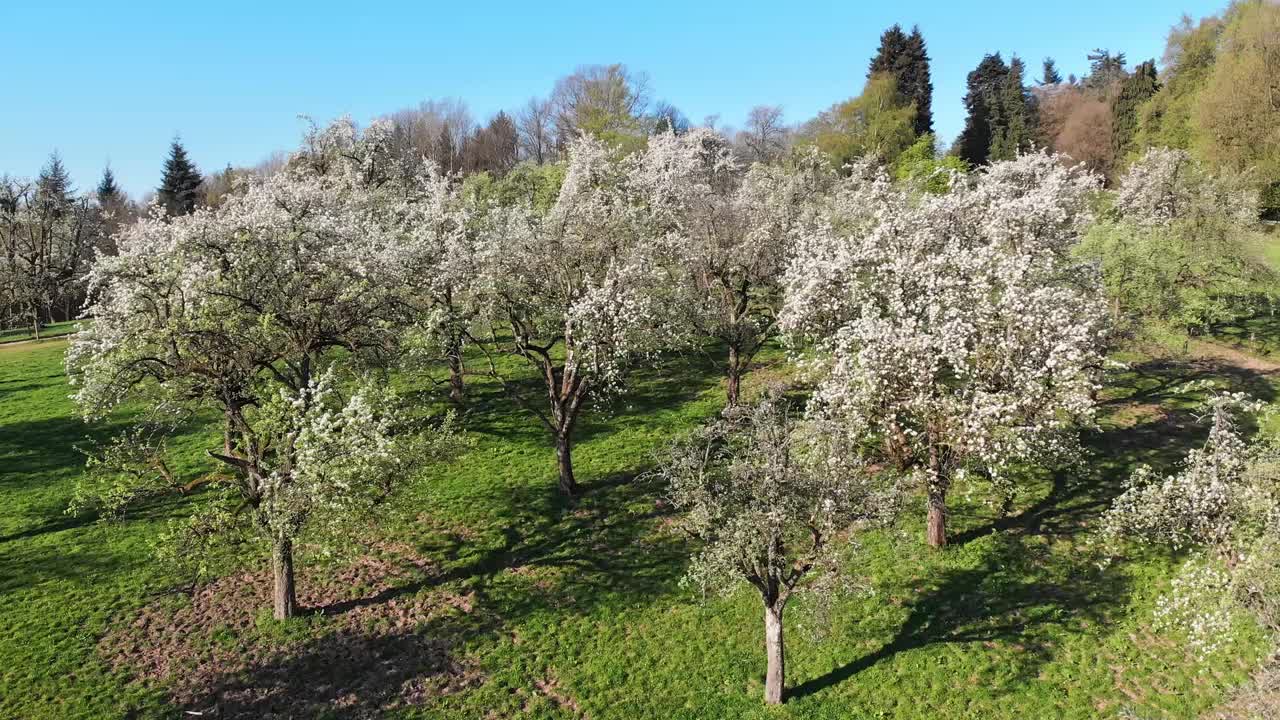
pixel 536 125
pixel 765 136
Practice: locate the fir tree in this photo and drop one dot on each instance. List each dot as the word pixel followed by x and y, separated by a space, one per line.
pixel 1134 91
pixel 1050 76
pixel 986 84
pixel 108 191
pixel 180 187
pixel 907 58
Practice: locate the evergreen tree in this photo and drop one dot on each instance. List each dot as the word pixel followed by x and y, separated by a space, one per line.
pixel 1134 91
pixel 907 58
pixel 1104 69
pixel 1013 128
pixel 108 191
pixel 916 81
pixel 180 187
pixel 53 185
pixel 1051 75
pixel 986 84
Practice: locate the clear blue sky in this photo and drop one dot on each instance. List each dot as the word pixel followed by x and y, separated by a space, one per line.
pixel 116 81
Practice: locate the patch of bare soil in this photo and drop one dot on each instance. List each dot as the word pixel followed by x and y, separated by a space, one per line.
pixel 375 637
pixel 1233 357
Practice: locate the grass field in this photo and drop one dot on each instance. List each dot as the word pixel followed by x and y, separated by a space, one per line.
pixel 482 594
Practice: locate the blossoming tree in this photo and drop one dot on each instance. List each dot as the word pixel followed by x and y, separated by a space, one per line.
pixel 1223 504
pixel 777 506
pixel 265 311
pixel 955 331
pixel 578 292
pixel 730 231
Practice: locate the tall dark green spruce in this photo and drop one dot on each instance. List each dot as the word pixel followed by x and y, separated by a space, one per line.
pixel 108 191
pixel 1050 74
pixel 180 187
pixel 1014 130
pixel 986 84
pixel 908 59
pixel 53 185
pixel 1135 90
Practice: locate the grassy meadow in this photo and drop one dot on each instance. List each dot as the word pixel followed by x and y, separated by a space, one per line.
pixel 479 592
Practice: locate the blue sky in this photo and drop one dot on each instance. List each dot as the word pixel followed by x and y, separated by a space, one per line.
pixel 115 82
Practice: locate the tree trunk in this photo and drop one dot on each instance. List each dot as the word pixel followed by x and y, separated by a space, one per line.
pixel 936 533
pixel 564 461
pixel 286 601
pixel 775 674
pixel 457 386
pixel 734 372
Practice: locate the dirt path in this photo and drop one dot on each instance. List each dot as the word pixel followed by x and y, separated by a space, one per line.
pixel 1231 356
pixel 23 344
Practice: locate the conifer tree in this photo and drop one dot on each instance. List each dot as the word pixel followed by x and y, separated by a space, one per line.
pixel 180 187
pixel 1014 128
pixel 1134 91
pixel 1050 75
pixel 907 58
pixel 983 103
pixel 53 185
pixel 108 191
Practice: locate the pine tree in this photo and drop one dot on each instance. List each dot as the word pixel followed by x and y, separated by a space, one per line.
pixel 180 187
pixel 1051 76
pixel 108 191
pixel 983 103
pixel 907 58
pixel 1134 91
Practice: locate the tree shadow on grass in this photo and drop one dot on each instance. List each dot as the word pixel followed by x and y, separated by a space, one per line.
pixel 340 676
pixel 1022 591
pixel 1018 597
pixel 1153 417
pixel 544 554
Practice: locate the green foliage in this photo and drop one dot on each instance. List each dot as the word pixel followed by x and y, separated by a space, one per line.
pixel 907 59
pixel 878 123
pixel 983 101
pixel 108 191
pixel 179 189
pixel 1050 74
pixel 528 182
pixel 1013 123
pixel 1165 120
pixel 1192 273
pixel 1135 90
pixel 920 164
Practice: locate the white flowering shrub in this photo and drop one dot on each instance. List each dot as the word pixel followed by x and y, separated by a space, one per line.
pixel 953 332
pixel 777 504
pixel 1224 504
pixel 1166 185
pixel 1181 246
pixel 255 311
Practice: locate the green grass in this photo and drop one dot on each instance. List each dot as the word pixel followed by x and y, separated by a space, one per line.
pixel 52 330
pixel 578 610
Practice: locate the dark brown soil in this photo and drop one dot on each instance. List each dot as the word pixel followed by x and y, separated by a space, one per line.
pixel 375 636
